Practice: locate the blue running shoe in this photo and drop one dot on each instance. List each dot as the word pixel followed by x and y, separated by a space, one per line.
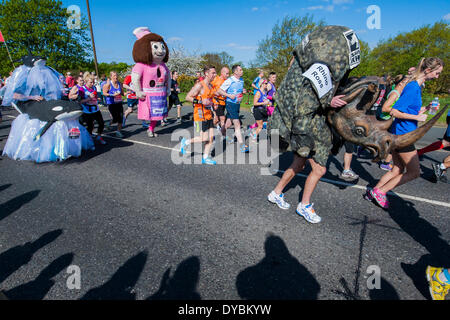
pixel 123 122
pixel 183 146
pixel 209 161
pixel 245 149
pixel 308 213
pixel 145 125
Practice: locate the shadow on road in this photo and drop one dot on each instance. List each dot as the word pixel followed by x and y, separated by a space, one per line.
pixel 121 284
pixel 386 292
pixel 38 288
pixel 99 150
pixel 182 285
pixel 277 276
pixel 14 258
pixel 15 204
pixel 5 186
pixel 424 233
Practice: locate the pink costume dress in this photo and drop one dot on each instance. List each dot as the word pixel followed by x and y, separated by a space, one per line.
pixel 154 83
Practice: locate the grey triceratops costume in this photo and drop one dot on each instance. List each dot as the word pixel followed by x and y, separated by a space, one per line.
pixel 323 59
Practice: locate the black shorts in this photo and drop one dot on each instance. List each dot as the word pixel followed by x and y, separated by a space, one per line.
pixel 220 112
pixel 406 149
pixel 260 113
pixel 206 125
pixel 116 111
pixel 349 147
pixel 174 100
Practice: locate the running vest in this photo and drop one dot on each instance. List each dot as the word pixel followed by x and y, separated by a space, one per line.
pixel 90 106
pixel 217 83
pixel 271 92
pixel 261 99
pixel 236 88
pixel 112 90
pixel 201 112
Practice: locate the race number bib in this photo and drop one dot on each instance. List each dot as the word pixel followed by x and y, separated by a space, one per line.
pixel 118 99
pixel 158 106
pixel 320 77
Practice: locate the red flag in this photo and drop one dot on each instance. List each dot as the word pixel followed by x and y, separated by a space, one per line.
pixel 1 37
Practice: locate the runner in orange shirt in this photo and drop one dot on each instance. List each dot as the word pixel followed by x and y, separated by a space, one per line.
pixel 220 101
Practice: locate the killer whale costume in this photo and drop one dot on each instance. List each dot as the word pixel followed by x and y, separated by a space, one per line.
pixel 47 130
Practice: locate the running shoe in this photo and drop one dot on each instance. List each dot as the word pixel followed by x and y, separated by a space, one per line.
pixel 179 121
pixel 183 146
pixel 100 139
pixel 368 195
pixel 145 125
pixel 245 149
pixel 209 161
pixel 124 121
pixel 163 123
pixel 438 289
pixel 438 172
pixel 380 198
pixel 151 134
pixel 229 140
pixel 349 175
pixel 119 134
pixel 308 213
pixel 386 166
pixel 255 137
pixel 278 200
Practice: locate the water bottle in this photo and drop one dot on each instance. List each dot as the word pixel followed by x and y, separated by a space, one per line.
pixel 434 106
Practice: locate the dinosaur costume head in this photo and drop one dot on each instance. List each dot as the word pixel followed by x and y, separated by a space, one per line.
pixel 304 118
pixel 353 124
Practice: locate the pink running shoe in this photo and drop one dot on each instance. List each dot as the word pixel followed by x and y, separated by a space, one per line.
pixel 380 198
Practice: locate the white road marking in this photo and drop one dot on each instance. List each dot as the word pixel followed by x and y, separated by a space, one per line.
pixel 395 194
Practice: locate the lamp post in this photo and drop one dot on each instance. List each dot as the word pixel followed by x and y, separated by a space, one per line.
pixel 92 37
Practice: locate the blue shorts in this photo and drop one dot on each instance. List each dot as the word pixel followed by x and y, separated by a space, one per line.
pixel 447 133
pixel 233 110
pixel 132 102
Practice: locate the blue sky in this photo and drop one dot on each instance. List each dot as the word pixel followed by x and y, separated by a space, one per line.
pixel 236 26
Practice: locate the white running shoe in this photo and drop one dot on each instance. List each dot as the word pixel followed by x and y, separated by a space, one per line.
pixel 278 200
pixel 308 213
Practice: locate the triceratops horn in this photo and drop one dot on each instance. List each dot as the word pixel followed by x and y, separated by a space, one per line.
pixel 350 97
pixel 363 82
pixel 411 137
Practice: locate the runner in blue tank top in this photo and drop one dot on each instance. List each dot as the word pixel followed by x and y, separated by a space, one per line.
pixel 113 92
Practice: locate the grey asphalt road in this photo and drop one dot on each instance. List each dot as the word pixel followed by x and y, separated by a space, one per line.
pixel 139 226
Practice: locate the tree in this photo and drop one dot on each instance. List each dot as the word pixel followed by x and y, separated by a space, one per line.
pixel 184 62
pixel 219 60
pixel 41 26
pixel 396 55
pixel 275 52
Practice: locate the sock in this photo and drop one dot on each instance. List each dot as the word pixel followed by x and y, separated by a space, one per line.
pixel 432 147
pixel 152 126
pixel 444 276
pixel 442 166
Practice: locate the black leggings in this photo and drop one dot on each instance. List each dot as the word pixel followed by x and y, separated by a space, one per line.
pixel 89 118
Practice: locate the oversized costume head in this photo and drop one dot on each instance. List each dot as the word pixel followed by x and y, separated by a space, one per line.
pixel 353 123
pixel 149 48
pixel 304 117
pixel 322 61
